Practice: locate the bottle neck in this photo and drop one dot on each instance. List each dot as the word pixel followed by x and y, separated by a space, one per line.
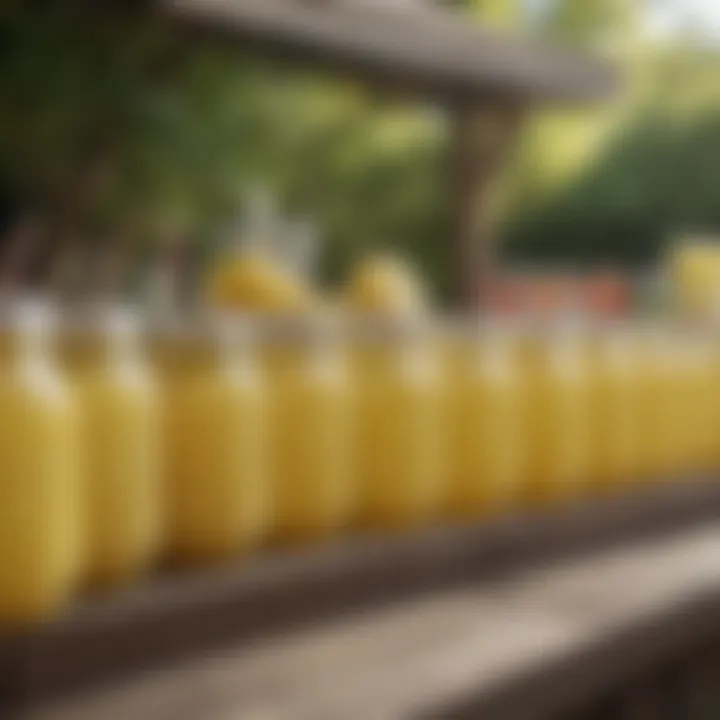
pixel 301 341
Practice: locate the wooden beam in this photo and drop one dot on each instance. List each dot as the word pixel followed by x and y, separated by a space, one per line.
pixel 548 644
pixel 434 51
pixel 481 142
pixel 179 615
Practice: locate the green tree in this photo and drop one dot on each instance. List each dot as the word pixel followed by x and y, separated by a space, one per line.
pixel 657 178
pixel 113 125
pixel 560 142
pixel 591 23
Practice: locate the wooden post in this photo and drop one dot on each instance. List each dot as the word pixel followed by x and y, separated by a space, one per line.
pixel 482 138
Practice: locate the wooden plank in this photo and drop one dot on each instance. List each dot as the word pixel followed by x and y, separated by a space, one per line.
pixel 175 616
pixel 434 50
pixel 524 649
pixel 481 142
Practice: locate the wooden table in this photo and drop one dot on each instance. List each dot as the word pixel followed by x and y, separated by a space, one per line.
pixel 528 645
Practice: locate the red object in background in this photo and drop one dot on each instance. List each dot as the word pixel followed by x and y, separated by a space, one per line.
pixel 605 294
pixel 506 296
pixel 609 294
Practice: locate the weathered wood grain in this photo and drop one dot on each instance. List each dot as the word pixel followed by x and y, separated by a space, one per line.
pixel 428 655
pixel 176 616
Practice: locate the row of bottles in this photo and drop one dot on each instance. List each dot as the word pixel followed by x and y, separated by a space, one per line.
pixel 289 430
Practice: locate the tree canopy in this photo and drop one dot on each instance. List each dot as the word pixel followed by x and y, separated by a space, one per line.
pixel 109 125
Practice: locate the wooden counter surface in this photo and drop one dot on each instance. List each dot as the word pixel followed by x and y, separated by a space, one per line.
pixel 527 647
pixel 387 625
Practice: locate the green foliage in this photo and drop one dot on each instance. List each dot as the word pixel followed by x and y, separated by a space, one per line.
pixel 109 124
pixel 113 125
pixel 660 177
pixel 617 185
pixel 499 13
pixel 590 22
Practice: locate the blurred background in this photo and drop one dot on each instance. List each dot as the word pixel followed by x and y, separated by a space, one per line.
pixel 122 129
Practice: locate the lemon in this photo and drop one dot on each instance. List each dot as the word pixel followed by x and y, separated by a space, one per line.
pixel 386 284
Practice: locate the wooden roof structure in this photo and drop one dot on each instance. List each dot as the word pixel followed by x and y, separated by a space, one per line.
pixel 487 79
pixel 425 47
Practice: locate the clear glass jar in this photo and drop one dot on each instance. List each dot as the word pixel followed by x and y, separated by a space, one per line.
pixel 614 373
pixel 660 403
pixel 486 419
pixel 559 405
pixel 310 404
pixel 121 442
pixel 41 511
pixel 400 423
pixel 697 403
pixel 215 419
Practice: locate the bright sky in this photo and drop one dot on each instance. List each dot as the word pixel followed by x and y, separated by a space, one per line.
pixel 669 16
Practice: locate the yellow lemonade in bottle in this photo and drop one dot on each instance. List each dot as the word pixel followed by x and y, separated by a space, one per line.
pixel 119 420
pixel 707 413
pixel 684 406
pixel 613 401
pixel 214 413
pixel 41 512
pixel 559 405
pixel 654 393
pixel 712 403
pixel 310 435
pixel 714 393
pixel 486 420
pixel 698 404
pixel 386 285
pixel 400 423
pixel 660 402
pixel 682 411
